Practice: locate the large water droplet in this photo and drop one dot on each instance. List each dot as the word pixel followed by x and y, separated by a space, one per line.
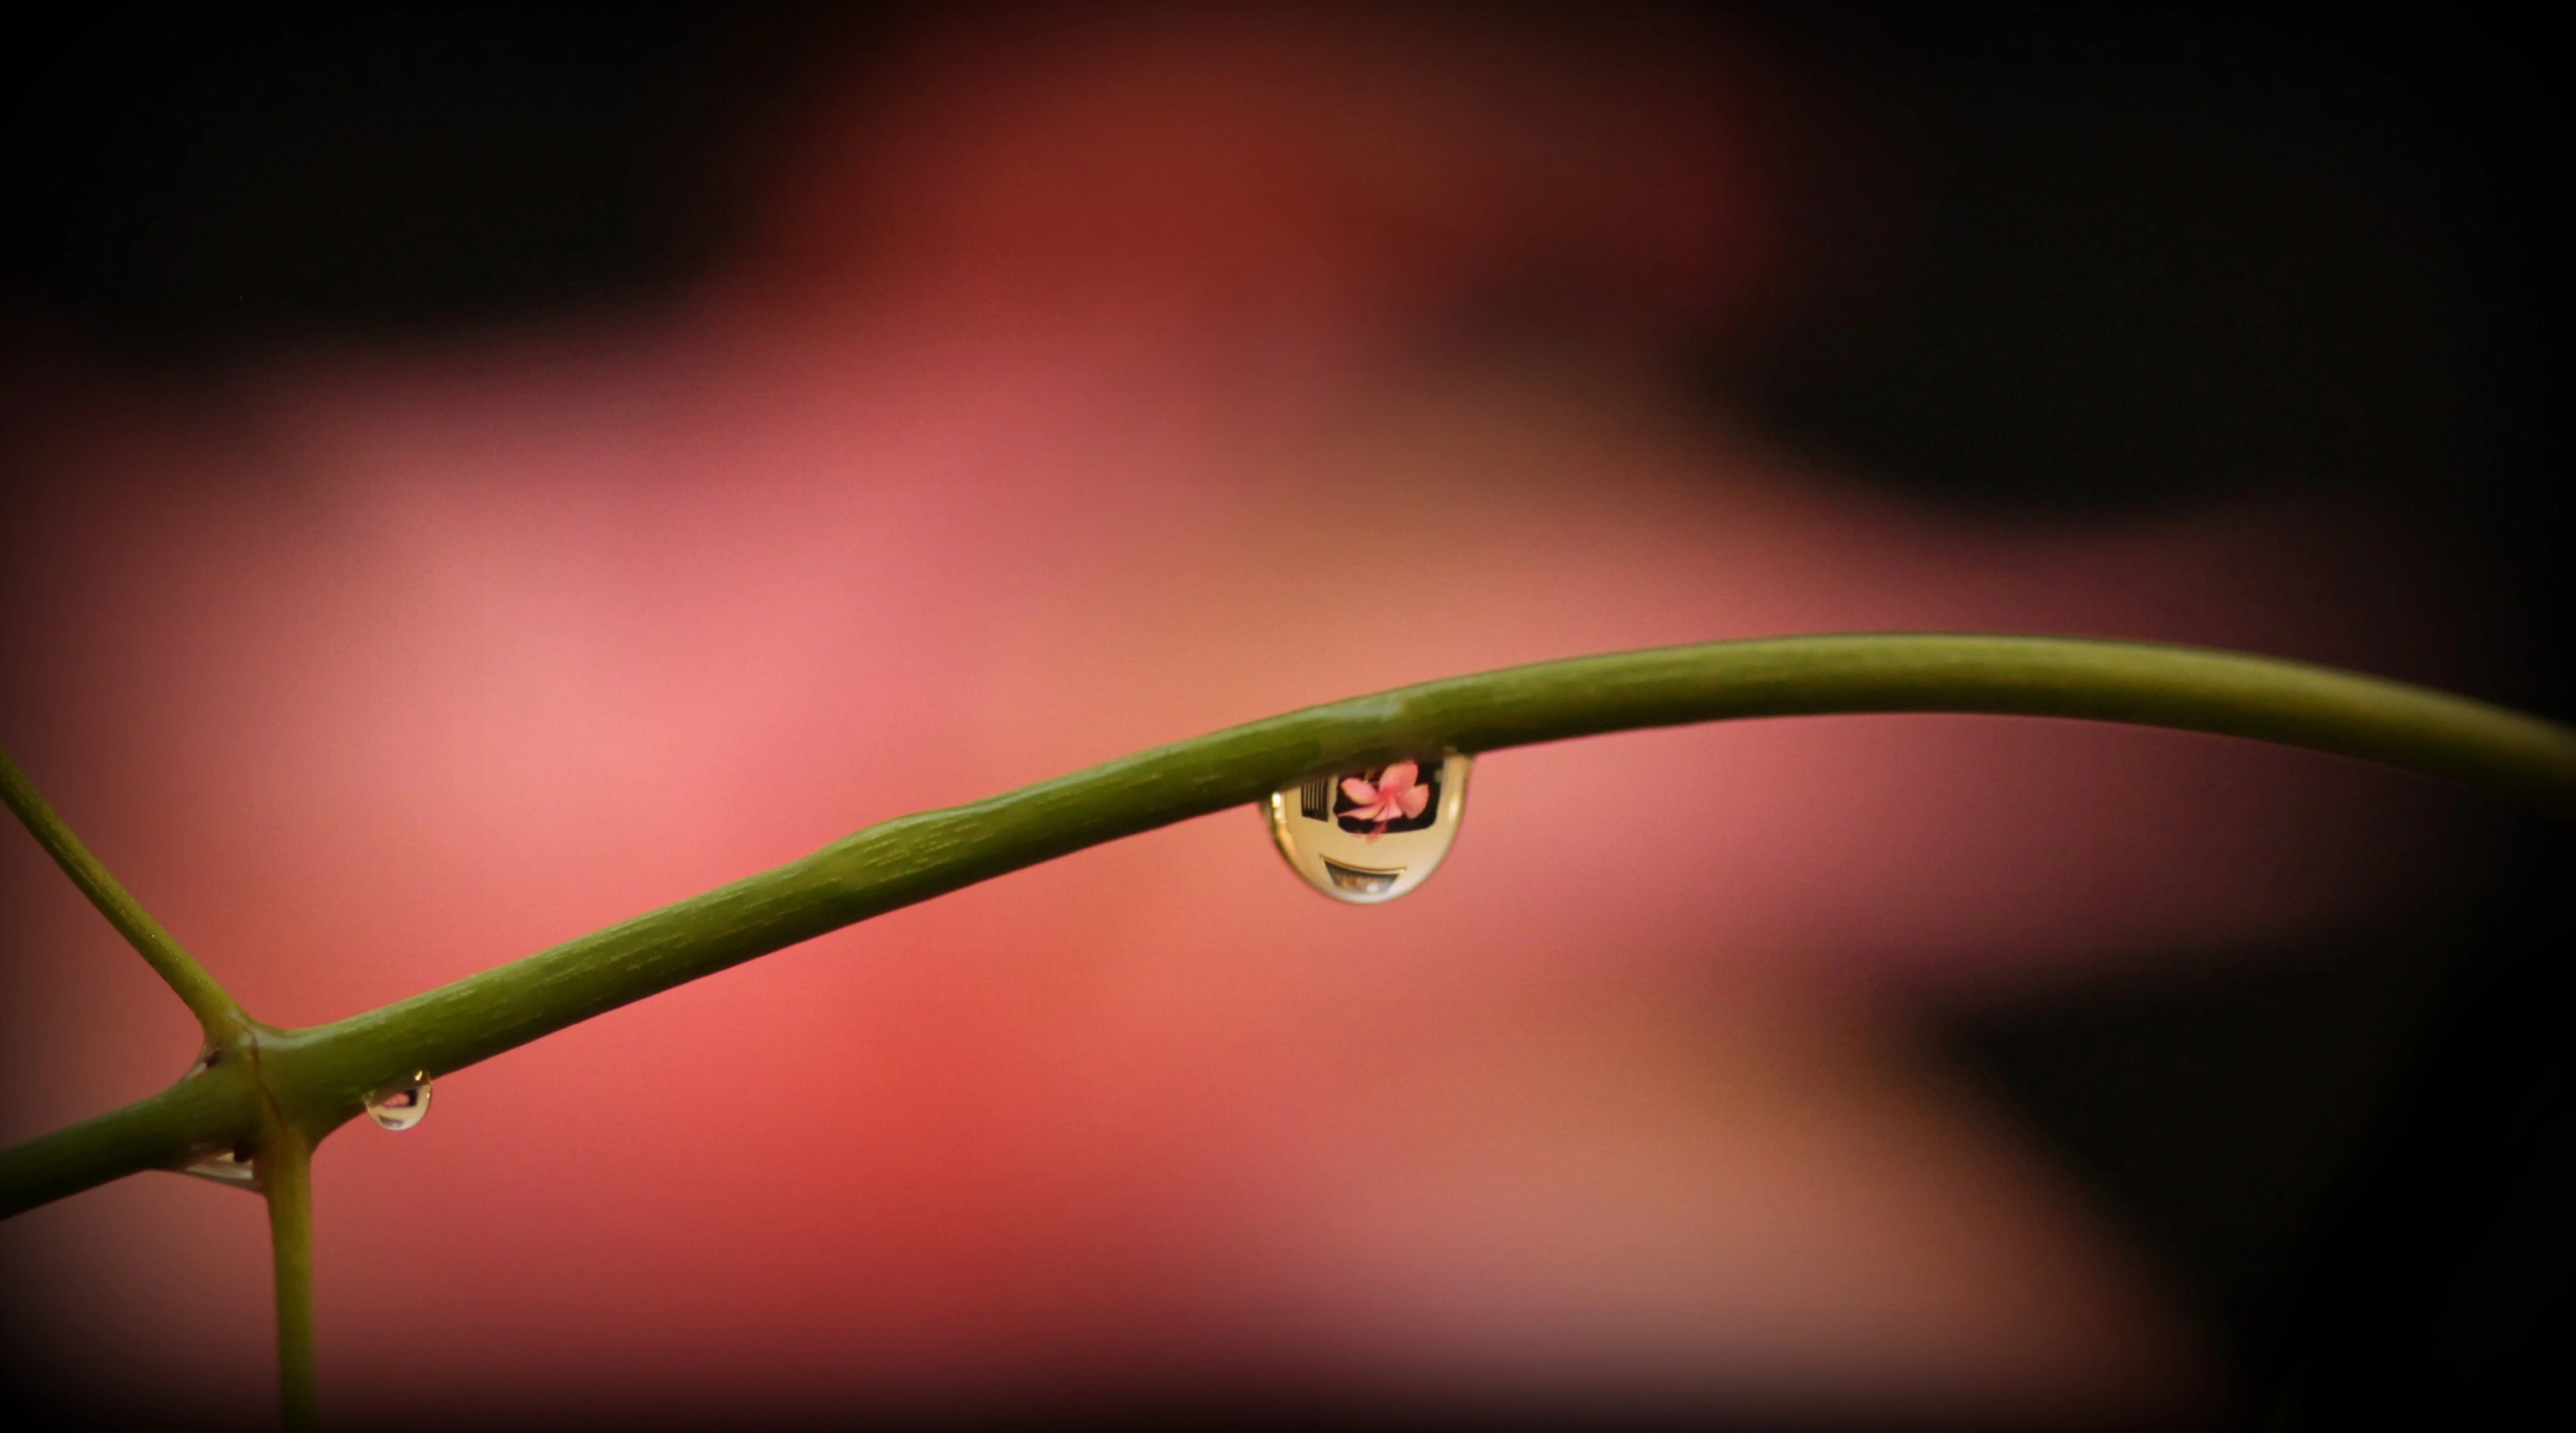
pixel 232 1166
pixel 400 1106
pixel 1371 833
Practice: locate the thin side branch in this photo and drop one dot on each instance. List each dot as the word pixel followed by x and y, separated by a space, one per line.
pixel 217 1110
pixel 215 1010
pixel 319 1076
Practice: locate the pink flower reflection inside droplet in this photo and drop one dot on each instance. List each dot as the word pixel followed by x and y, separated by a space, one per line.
pixel 1396 796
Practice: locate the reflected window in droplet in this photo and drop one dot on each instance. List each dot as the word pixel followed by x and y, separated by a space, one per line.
pixel 1366 883
pixel 1371 833
pixel 400 1106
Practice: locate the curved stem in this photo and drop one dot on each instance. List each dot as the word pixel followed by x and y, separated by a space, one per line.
pixel 215 1010
pixel 286 1175
pixel 320 1075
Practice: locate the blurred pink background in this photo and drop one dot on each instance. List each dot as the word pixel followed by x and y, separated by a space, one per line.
pixel 1087 388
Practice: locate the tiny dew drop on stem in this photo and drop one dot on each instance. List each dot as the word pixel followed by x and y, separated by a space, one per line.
pixel 231 1166
pixel 1369 834
pixel 400 1106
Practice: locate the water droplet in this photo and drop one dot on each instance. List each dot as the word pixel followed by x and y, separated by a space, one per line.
pixel 1371 833
pixel 400 1106
pixel 231 1166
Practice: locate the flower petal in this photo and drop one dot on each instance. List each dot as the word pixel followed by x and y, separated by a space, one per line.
pixel 1358 790
pixel 1414 799
pixel 1397 777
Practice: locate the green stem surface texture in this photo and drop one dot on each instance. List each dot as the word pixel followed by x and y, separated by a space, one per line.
pixel 319 1076
pixel 286 1175
pixel 213 1008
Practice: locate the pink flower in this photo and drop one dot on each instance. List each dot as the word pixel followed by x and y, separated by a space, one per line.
pixel 1396 796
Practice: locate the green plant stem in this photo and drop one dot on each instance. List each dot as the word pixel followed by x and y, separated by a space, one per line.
pixel 286 1176
pixel 216 1110
pixel 215 1010
pixel 320 1075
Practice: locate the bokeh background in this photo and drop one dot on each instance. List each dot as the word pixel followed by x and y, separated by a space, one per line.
pixel 471 479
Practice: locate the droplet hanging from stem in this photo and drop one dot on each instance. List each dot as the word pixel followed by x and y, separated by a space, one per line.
pixel 1369 834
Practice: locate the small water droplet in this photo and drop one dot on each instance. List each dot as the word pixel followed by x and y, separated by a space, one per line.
pixel 1371 833
pixel 231 1166
pixel 400 1106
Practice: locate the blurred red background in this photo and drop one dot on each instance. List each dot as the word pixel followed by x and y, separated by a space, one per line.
pixel 1064 389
